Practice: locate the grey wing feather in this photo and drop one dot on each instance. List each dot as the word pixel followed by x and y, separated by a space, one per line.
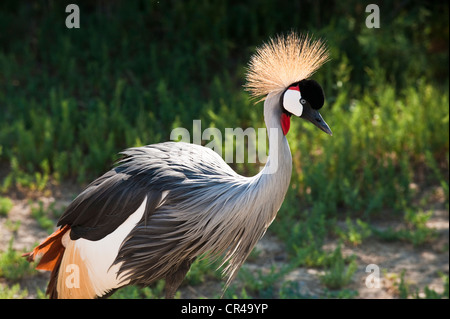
pixel 143 171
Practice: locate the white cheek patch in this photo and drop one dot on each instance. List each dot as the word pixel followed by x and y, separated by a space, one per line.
pixel 291 102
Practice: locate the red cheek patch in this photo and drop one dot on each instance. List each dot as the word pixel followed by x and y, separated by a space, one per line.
pixel 285 122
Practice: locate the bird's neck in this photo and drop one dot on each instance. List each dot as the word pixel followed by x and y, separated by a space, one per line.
pixel 280 159
pixel 275 177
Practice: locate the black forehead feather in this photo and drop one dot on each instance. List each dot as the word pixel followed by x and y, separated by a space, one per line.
pixel 312 92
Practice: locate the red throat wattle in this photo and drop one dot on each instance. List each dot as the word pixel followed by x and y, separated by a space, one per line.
pixel 285 122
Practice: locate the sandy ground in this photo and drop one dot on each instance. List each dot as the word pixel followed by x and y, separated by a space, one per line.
pixel 423 265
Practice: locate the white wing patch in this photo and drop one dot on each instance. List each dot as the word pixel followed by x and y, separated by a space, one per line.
pixel 99 255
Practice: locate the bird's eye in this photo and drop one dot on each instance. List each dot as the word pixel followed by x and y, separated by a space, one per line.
pixel 303 101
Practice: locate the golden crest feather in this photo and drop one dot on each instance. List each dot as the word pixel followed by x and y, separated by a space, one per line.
pixel 282 61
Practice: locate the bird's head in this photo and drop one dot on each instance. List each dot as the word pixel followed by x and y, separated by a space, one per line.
pixel 303 99
pixel 282 67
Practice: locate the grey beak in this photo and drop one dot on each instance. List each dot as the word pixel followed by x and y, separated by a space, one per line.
pixel 314 117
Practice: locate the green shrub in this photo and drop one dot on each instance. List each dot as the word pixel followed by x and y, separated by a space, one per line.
pixel 13 292
pixel 6 205
pixel 338 275
pixel 13 266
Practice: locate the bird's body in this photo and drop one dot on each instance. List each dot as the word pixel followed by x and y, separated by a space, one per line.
pixel 161 207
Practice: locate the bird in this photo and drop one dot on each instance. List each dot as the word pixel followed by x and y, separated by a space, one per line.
pixel 163 205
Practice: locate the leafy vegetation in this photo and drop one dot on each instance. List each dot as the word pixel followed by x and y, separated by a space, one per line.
pixel 45 216
pixel 406 290
pixel 13 266
pixel 6 205
pixel 415 232
pixel 71 99
pixel 338 276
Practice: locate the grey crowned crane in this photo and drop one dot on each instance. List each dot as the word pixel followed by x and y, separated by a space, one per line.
pixel 163 205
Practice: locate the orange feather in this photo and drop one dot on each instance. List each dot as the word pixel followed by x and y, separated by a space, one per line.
pixel 51 250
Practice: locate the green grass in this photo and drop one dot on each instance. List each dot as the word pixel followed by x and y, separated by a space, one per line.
pixel 6 205
pixel 72 99
pixel 13 292
pixel 133 292
pixel 259 284
pixel 415 229
pixel 45 216
pixel 13 266
pixel 407 291
pixel 338 275
pixel 355 232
